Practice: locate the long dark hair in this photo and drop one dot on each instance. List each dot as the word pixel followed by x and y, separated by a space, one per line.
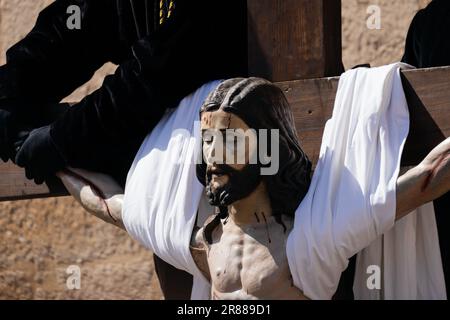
pixel 262 105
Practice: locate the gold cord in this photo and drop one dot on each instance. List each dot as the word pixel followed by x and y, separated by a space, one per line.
pixel 165 10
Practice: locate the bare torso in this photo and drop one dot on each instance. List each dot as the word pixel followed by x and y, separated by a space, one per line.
pixel 250 262
pixel 247 262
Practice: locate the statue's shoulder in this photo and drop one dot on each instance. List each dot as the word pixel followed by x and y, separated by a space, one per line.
pixel 202 236
pixel 211 224
pixel 200 244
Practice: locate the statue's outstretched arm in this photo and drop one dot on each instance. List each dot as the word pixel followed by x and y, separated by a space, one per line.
pixel 99 194
pixel 425 182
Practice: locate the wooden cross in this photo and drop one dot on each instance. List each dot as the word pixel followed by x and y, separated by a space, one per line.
pixel 297 43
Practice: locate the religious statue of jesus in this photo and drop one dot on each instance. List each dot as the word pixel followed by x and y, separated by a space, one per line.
pixel 241 249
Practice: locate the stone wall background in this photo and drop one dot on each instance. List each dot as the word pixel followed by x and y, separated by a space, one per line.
pixel 40 239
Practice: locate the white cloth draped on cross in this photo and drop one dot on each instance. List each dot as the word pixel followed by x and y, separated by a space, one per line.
pixel 351 204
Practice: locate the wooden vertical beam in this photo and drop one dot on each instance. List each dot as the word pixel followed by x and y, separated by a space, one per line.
pixel 294 39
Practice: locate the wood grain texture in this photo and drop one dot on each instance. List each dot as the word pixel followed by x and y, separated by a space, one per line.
pixel 15 186
pixel 427 92
pixel 294 39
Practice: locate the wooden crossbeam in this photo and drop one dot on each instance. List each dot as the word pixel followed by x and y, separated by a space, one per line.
pixel 15 186
pixel 301 39
pixel 427 91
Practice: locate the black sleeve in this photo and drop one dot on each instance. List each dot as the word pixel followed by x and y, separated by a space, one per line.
pixel 53 60
pixel 196 46
pixel 428 40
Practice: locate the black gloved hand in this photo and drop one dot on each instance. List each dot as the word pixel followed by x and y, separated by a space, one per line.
pixel 39 155
pixel 14 129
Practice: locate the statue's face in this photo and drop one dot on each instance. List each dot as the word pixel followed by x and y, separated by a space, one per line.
pixel 228 146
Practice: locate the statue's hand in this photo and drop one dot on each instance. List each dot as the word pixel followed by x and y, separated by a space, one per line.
pixel 97 193
pixel 437 165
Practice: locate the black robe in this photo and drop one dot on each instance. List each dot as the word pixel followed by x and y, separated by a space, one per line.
pixel 158 66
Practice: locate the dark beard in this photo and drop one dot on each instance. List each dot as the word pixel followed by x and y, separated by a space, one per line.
pixel 239 186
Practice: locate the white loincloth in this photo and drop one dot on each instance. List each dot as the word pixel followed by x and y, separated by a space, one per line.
pixel 162 192
pixel 352 201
